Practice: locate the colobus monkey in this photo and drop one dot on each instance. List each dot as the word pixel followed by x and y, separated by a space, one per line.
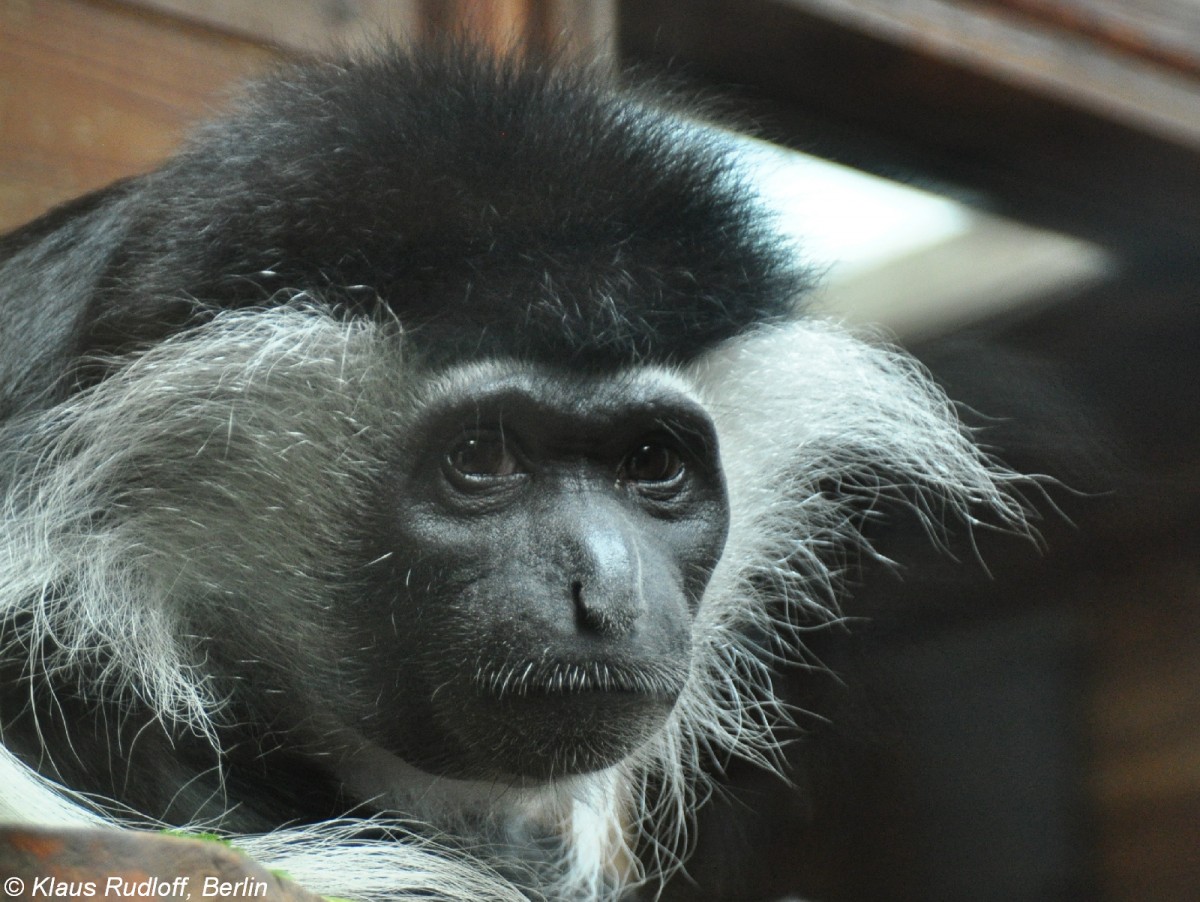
pixel 416 476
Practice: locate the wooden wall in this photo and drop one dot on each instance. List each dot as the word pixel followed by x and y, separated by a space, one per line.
pixel 92 92
pixel 1145 718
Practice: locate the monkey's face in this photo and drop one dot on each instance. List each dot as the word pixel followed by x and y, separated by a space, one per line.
pixel 542 550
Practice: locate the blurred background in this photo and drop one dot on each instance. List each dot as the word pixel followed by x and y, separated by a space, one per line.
pixel 1010 189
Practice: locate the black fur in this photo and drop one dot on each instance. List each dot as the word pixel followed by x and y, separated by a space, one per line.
pixel 492 208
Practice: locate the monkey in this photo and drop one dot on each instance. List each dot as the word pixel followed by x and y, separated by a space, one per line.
pixel 416 477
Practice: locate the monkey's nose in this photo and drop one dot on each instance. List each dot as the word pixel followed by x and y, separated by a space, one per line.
pixel 601 611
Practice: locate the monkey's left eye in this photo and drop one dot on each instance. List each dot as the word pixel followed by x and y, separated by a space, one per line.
pixel 652 462
pixel 483 456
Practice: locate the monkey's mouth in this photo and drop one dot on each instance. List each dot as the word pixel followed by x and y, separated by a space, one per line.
pixel 558 677
pixel 542 720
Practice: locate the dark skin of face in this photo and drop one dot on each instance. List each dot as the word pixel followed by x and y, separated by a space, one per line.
pixel 544 549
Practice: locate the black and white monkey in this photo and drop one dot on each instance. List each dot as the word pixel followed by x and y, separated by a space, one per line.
pixel 416 476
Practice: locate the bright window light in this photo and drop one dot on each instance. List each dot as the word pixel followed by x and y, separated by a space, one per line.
pixel 911 261
pixel 844 220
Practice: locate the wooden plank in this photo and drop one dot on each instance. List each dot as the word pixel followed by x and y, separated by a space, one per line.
pixel 575 27
pixel 327 26
pixel 92 92
pixel 1144 714
pixel 1163 32
pixel 1150 851
pixel 1100 65
pixel 862 84
pixel 309 26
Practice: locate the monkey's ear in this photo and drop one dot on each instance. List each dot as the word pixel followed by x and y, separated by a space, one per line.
pixel 50 270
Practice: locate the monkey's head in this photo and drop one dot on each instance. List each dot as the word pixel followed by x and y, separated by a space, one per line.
pixel 533 537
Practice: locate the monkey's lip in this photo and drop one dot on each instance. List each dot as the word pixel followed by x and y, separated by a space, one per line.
pixel 546 718
pixel 549 677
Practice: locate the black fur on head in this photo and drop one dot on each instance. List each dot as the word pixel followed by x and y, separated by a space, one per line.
pixel 533 210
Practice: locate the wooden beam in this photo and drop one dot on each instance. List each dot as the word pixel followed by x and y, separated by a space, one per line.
pixel 1161 32
pixel 1096 62
pixel 307 26
pixel 914 90
pixel 330 26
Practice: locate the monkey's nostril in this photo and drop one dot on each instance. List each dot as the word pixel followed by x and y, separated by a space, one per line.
pixel 597 612
pixel 586 619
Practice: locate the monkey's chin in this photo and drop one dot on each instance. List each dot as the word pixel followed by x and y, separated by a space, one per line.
pixel 543 736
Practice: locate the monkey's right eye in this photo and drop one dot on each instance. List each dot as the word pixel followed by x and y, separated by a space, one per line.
pixel 482 456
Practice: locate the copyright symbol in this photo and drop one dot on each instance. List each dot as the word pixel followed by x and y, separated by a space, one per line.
pixel 14 886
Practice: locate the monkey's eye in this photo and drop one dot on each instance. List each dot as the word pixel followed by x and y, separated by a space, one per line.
pixel 652 462
pixel 482 456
